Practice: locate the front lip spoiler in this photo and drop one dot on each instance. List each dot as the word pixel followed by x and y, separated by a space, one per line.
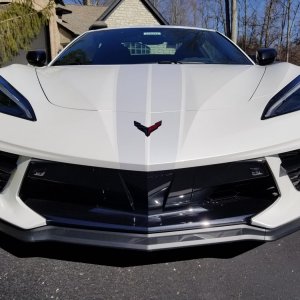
pixel 149 242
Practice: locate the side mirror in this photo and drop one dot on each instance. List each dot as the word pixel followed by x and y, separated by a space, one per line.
pixel 98 25
pixel 266 56
pixel 37 58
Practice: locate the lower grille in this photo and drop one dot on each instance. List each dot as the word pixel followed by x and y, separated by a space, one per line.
pixel 112 199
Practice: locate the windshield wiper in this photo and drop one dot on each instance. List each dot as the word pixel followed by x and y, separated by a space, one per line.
pixel 166 62
pixel 179 62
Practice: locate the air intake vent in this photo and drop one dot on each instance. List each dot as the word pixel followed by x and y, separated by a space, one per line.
pixel 134 201
pixel 8 163
pixel 291 164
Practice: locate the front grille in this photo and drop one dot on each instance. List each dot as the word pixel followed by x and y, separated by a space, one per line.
pixel 112 199
pixel 8 163
pixel 291 164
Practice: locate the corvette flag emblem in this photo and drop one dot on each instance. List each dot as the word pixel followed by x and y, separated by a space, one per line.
pixel 147 130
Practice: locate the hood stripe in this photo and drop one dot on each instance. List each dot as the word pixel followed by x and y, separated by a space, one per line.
pixel 142 95
pixel 131 96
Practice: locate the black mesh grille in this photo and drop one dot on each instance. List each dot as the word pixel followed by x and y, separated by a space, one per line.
pixel 145 201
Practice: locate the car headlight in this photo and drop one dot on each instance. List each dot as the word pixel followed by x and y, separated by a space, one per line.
pixel 286 101
pixel 14 103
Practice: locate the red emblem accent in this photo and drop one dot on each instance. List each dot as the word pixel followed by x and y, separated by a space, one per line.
pixel 147 130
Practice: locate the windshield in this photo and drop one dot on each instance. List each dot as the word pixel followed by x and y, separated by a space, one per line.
pixel 151 45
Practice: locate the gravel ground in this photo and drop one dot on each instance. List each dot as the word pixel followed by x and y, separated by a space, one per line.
pixel 232 271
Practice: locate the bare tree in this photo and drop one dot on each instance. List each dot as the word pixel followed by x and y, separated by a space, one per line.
pixel 177 12
pixel 282 29
pixel 269 27
pixel 156 3
pixel 228 19
pixel 292 9
pixel 194 9
pixel 93 2
pixel 288 29
pixel 231 12
pixel 234 21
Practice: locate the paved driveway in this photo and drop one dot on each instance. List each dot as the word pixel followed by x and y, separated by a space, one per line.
pixel 233 271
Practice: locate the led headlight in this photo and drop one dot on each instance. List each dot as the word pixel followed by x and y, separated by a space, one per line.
pixel 13 103
pixel 286 101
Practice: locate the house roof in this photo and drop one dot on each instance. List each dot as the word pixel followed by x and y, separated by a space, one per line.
pixel 158 16
pixel 82 16
pixel 61 10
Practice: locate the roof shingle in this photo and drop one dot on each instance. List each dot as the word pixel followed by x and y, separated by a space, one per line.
pixel 81 18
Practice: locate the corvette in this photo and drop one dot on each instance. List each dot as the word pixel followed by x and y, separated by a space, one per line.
pixel 150 138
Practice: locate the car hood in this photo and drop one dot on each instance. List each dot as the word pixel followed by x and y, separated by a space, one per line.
pixel 150 88
pixel 204 111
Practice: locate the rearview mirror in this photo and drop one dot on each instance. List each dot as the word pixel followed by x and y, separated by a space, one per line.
pixel 266 56
pixel 37 58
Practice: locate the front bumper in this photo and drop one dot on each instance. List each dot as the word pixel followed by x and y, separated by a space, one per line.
pixel 149 242
pixel 280 218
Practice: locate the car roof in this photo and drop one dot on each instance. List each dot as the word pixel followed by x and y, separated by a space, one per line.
pixel 154 26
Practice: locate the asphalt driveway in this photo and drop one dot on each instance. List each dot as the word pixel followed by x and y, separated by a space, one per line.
pixel 232 271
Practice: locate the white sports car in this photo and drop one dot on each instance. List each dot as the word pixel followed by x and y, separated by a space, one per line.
pixel 150 138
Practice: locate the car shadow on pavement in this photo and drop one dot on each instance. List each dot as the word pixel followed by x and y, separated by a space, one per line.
pixel 121 258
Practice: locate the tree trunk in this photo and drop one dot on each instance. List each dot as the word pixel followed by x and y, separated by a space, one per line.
pixel 288 30
pixel 195 15
pixel 245 26
pixel 222 14
pixel 282 29
pixel 268 22
pixel 227 13
pixel 234 13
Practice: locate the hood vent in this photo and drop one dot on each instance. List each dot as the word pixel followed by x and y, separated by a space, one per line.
pixel 8 163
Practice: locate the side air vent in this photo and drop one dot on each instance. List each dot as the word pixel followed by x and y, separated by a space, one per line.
pixel 8 163
pixel 291 164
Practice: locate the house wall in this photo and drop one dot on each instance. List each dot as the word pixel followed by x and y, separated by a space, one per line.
pixel 48 38
pixel 54 35
pixel 130 12
pixel 40 42
pixel 64 36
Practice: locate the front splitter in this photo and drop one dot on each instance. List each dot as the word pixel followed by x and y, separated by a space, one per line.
pixel 148 242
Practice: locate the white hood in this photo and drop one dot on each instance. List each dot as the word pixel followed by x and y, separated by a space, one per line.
pixel 150 88
pixel 206 113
